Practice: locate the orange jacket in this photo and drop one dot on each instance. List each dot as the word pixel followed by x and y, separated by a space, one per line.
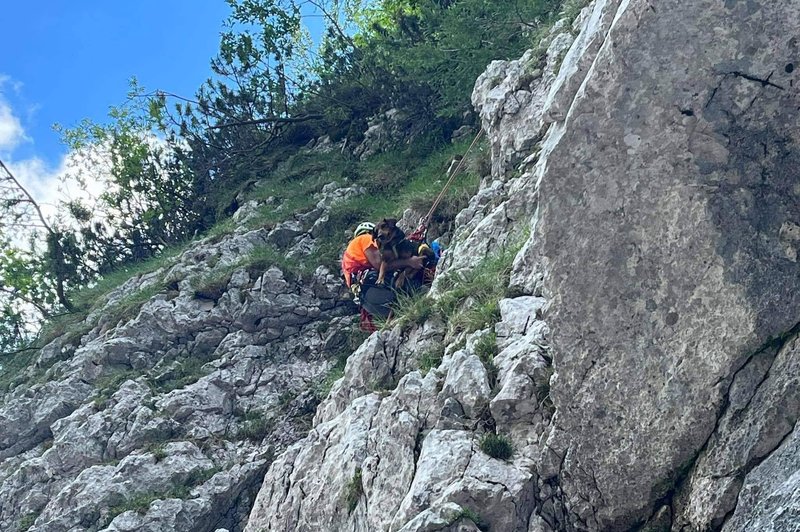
pixel 355 259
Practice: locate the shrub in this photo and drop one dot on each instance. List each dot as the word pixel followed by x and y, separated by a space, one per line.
pixel 497 446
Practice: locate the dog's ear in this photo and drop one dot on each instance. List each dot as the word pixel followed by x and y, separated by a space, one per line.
pixel 390 222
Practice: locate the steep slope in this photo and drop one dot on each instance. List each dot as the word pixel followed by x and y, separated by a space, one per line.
pixel 655 164
pixel 165 418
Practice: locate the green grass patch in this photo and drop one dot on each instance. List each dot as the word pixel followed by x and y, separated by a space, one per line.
pixel 470 301
pixel 263 258
pixel 430 359
pixel 213 284
pixel 13 367
pixel 353 491
pixel 292 185
pixel 27 521
pixel 140 502
pixel 88 298
pixel 188 370
pixel 486 350
pixel 158 450
pixel 412 309
pixel 497 446
pixel 254 430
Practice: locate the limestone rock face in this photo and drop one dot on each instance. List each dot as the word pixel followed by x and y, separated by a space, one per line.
pixel 641 370
pixel 663 208
pixel 404 453
pixel 166 418
pixel 646 371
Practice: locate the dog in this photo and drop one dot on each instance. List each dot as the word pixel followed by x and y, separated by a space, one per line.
pixel 387 236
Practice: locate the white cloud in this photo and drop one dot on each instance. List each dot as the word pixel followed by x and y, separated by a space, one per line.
pixel 51 186
pixel 11 131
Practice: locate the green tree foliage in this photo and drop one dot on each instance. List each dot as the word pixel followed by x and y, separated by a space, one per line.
pixel 150 199
pixel 170 167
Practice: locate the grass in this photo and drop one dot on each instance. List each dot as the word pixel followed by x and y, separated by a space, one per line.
pixel 108 386
pixel 412 309
pixel 353 491
pixel 323 388
pixel 261 259
pixel 472 515
pixel 188 371
pixel 497 446
pixel 255 429
pixel 354 338
pixel 158 450
pixel 12 368
pixel 486 350
pixel 27 521
pixel 140 502
pixel 430 359
pixel 470 301
pixel 213 284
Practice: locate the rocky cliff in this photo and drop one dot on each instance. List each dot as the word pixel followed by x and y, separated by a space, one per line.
pixel 611 343
pixel 646 372
pixel 165 417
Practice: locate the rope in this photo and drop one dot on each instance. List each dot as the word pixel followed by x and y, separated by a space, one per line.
pixel 423 224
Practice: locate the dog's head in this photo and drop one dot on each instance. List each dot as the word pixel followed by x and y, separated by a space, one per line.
pixel 387 234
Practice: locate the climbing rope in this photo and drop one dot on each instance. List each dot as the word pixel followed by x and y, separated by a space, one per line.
pixel 421 231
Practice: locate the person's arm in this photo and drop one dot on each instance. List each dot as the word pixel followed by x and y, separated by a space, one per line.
pixel 415 263
pixel 373 256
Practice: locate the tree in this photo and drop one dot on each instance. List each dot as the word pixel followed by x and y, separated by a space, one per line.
pixel 18 209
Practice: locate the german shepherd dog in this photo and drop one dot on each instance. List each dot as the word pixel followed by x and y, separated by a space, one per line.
pixel 387 235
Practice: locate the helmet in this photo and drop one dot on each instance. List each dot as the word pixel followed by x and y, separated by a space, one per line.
pixel 364 228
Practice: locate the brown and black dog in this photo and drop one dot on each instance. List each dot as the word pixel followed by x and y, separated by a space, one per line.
pixel 387 235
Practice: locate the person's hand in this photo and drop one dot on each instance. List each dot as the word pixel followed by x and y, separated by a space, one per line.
pixel 416 262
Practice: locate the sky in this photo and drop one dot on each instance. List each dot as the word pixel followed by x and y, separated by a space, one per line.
pixel 65 60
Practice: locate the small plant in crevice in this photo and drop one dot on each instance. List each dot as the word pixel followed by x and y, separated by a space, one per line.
pixel 472 515
pixel 336 372
pixel 353 491
pixel 486 350
pixel 254 428
pixel 27 521
pixel 158 450
pixel 497 446
pixel 430 359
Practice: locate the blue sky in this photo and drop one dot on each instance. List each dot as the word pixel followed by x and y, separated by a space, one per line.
pixel 64 60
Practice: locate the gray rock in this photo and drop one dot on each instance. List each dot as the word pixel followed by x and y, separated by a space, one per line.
pixel 770 497
pixel 652 185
